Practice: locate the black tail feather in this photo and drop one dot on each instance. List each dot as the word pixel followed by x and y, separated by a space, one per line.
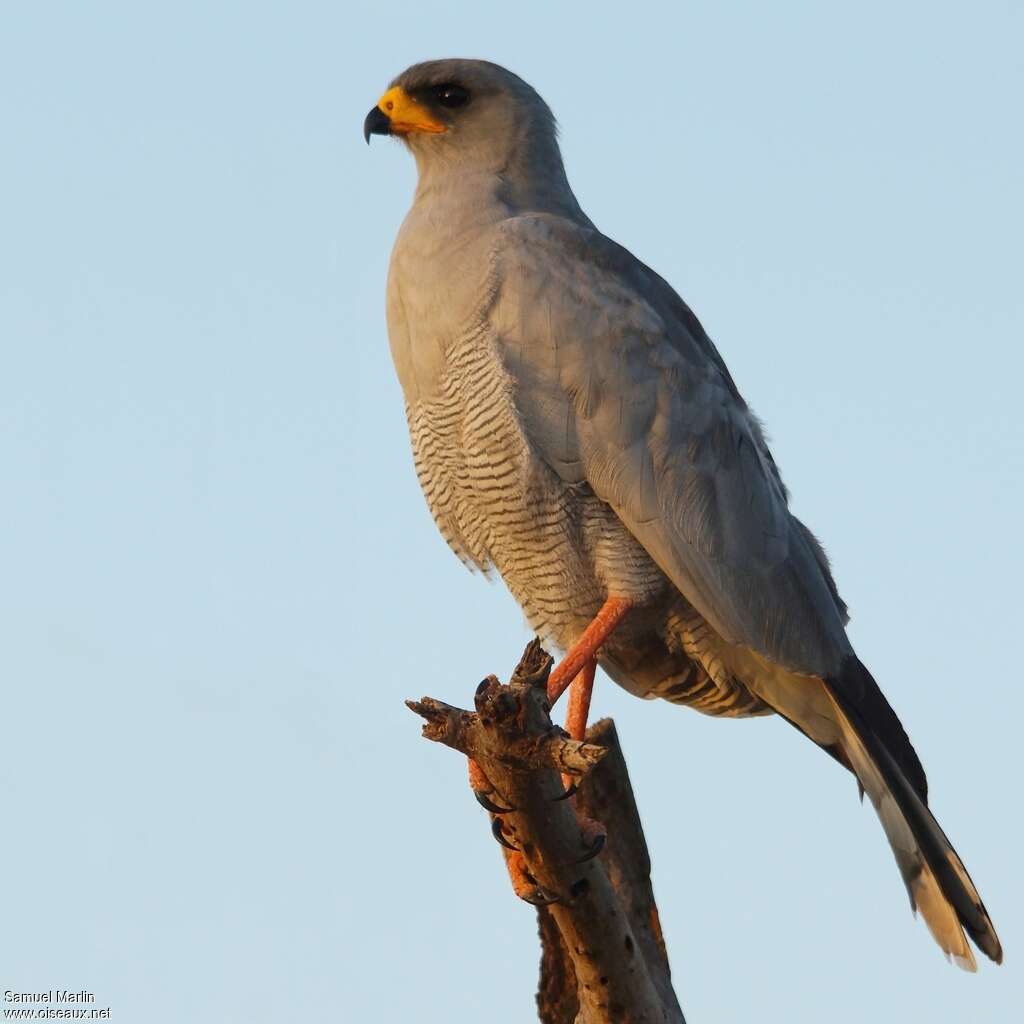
pixel 895 768
pixel 857 690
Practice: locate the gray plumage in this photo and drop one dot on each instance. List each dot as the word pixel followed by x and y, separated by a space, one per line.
pixel 574 428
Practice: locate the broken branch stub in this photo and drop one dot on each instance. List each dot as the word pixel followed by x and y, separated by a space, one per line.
pixel 607 976
pixel 511 725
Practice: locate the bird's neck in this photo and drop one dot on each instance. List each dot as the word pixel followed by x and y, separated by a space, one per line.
pixel 529 178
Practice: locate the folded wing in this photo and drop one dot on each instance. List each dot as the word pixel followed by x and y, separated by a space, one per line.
pixel 618 384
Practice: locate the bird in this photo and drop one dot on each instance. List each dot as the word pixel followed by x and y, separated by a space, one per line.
pixel 574 429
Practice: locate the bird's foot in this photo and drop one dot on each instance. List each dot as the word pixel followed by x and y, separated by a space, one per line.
pixel 571 786
pixel 524 885
pixel 592 833
pixel 484 791
pixel 498 831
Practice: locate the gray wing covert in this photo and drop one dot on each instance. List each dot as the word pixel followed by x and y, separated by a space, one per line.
pixel 618 385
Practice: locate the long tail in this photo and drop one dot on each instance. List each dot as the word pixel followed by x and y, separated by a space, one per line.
pixel 868 738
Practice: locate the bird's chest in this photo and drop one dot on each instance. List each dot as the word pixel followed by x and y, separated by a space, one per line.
pixel 497 502
pixel 559 549
pixel 484 487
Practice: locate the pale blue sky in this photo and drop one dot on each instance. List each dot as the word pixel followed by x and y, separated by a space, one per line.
pixel 218 579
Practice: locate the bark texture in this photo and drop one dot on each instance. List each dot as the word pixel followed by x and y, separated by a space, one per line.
pixel 603 957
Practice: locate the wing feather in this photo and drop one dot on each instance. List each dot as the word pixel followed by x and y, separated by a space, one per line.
pixel 618 385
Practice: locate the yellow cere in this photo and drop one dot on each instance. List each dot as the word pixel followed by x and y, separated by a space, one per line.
pixel 406 115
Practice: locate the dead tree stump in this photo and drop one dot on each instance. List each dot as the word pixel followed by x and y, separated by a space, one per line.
pixel 603 957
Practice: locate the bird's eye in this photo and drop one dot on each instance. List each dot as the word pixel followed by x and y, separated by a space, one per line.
pixel 450 95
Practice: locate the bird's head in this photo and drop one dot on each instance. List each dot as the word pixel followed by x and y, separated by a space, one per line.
pixel 469 114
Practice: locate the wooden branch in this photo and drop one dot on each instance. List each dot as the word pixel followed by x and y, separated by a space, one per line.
pixel 606 795
pixel 460 730
pixel 608 945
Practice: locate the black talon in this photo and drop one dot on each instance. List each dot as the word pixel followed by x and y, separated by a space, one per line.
pixel 568 793
pixel 498 834
pixel 540 898
pixel 595 849
pixel 489 805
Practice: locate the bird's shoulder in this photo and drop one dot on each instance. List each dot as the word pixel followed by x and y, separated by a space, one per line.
pixel 609 359
pixel 597 277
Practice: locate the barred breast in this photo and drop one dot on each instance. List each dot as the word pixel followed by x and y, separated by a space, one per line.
pixel 560 550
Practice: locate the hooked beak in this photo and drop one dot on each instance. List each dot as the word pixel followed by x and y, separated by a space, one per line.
pixel 376 123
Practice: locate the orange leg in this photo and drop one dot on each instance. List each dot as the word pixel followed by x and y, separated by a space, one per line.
pixel 576 714
pixel 584 650
pixel 580 692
